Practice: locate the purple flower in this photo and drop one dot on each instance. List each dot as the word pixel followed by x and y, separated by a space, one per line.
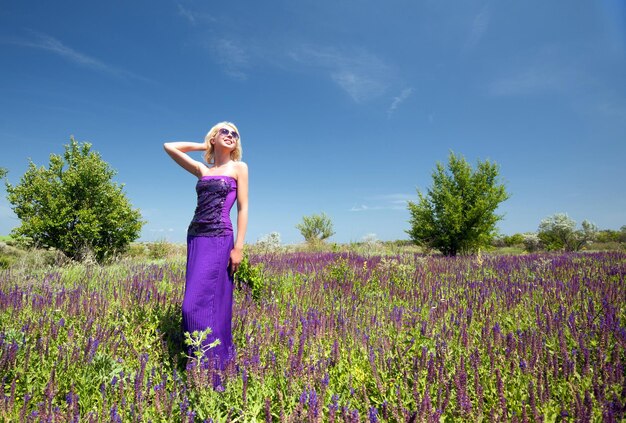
pixel 325 380
pixel 184 405
pixel 303 397
pixel 334 404
pixel 373 415
pixel 522 365
pixel 115 417
pixel 268 411
pixel 500 387
pixel 313 403
pixel 496 332
pixel 426 405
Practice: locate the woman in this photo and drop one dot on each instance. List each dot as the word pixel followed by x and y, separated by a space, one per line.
pixel 212 256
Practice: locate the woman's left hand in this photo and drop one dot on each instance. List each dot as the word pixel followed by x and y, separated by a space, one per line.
pixel 236 255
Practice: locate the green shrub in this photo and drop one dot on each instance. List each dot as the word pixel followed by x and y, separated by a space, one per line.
pixel 316 228
pixel 457 214
pixel 558 232
pixel 159 249
pixel 252 276
pixel 512 240
pixel 269 243
pixel 6 261
pixel 532 242
pixel 137 250
pixel 74 206
pixel 35 260
pixel 9 255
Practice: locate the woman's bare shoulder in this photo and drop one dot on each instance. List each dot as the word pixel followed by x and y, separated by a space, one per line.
pixel 241 167
pixel 241 170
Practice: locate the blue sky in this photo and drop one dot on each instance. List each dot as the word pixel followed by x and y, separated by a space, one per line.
pixel 344 106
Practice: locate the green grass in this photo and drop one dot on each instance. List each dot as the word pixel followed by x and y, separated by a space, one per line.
pixel 333 334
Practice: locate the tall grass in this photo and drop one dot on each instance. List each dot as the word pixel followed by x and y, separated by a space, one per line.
pixel 335 337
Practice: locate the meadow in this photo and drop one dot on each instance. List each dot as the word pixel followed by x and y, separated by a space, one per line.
pixel 328 336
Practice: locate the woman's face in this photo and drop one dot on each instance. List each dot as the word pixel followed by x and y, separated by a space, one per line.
pixel 226 137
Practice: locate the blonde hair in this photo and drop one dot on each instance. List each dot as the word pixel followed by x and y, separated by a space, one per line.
pixel 209 155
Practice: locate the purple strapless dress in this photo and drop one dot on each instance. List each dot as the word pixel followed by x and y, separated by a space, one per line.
pixel 208 296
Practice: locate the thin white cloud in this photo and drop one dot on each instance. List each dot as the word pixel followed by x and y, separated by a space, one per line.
pixel 546 73
pixel 357 72
pixel 187 14
pixel 531 80
pixel 232 56
pixel 397 197
pixel 384 202
pixel 406 93
pixel 478 28
pixel 357 208
pixel 194 17
pixel 360 74
pixel 52 45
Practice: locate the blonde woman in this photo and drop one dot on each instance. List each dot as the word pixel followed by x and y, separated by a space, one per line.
pixel 213 255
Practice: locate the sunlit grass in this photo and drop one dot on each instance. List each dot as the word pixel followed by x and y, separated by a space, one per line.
pixel 335 336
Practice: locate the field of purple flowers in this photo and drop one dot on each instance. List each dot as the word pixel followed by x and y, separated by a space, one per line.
pixel 334 337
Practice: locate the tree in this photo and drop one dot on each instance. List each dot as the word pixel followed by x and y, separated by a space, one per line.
pixel 74 206
pixel 3 172
pixel 532 243
pixel 269 242
pixel 508 240
pixel 558 232
pixel 457 214
pixel 610 235
pixel 607 235
pixel 316 227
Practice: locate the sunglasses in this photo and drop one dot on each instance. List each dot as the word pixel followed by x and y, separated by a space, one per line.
pixel 226 132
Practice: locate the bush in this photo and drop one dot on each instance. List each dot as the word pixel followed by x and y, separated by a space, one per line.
pixel 136 250
pixel 74 207
pixel 252 276
pixel 269 243
pixel 457 215
pixel 558 232
pixel 5 262
pixel 316 227
pixel 9 255
pixel 513 240
pixel 159 249
pixel 35 260
pixel 609 235
pixel 531 242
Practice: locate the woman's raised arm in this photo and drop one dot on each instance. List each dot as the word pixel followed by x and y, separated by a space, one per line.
pixel 178 151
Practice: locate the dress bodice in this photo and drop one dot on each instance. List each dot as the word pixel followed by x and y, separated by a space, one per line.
pixel 216 196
